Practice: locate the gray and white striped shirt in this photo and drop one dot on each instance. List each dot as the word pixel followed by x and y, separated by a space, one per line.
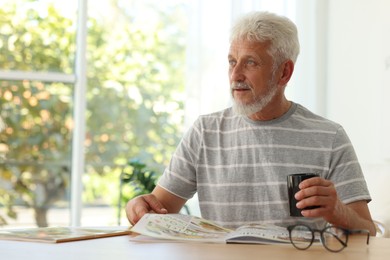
pixel 239 167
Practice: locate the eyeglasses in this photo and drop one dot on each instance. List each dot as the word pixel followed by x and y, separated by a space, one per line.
pixel 332 238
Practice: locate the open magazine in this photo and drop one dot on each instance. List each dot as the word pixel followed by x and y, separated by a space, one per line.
pixel 189 228
pixel 61 234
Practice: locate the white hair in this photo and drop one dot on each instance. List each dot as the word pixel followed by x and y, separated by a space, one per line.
pixel 265 26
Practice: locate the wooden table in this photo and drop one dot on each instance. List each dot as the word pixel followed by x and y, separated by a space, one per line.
pixel 118 248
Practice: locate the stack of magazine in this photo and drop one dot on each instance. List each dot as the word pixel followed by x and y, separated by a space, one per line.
pixel 190 228
pixel 61 234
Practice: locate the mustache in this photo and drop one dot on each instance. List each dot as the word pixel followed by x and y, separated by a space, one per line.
pixel 240 85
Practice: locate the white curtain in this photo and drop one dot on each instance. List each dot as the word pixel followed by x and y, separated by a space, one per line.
pixel 208 43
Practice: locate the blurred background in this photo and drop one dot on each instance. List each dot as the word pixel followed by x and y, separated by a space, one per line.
pixel 95 95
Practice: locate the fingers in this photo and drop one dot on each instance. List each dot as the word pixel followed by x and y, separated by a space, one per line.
pixel 316 192
pixel 136 212
pixel 316 181
pixel 317 201
pixel 315 187
pixel 154 204
pixel 139 206
pixel 313 213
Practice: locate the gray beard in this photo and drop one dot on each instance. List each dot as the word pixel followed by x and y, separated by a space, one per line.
pixel 256 106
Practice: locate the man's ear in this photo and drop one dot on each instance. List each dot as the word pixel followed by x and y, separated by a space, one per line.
pixel 287 69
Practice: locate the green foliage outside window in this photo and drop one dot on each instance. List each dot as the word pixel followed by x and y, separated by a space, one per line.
pixel 134 102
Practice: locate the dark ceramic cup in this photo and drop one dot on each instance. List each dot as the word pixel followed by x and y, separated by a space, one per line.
pixel 293 181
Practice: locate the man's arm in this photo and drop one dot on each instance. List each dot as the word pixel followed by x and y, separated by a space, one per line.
pixel 171 202
pixel 159 201
pixel 321 192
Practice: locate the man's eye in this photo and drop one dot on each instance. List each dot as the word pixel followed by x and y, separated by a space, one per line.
pixel 232 63
pixel 251 62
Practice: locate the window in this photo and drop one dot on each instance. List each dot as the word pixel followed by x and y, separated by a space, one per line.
pixel 150 66
pixel 134 104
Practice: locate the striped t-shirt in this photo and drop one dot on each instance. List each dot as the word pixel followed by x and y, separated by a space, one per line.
pixel 239 167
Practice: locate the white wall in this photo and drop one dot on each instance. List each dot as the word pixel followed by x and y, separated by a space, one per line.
pixel 308 84
pixel 358 88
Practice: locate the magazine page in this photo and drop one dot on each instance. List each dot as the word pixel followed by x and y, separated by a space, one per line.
pixel 259 234
pixel 61 234
pixel 180 227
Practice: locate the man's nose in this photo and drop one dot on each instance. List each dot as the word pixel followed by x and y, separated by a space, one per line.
pixel 237 73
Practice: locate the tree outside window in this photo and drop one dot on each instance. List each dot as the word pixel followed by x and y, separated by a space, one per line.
pixel 134 100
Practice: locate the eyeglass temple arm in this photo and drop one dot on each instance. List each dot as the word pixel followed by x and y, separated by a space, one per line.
pixel 341 241
pixel 360 231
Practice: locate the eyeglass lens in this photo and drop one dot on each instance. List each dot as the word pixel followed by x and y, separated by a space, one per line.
pixel 301 236
pixel 332 238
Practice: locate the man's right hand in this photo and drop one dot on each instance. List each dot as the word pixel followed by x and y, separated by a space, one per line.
pixel 141 205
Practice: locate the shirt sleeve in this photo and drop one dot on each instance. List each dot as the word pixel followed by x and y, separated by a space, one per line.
pixel 179 178
pixel 345 170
